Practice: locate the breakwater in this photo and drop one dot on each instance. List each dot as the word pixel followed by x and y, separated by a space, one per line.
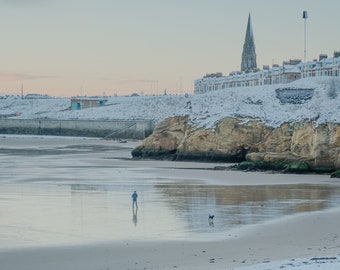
pixel 120 129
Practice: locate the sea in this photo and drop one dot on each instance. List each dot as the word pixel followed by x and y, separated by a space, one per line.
pixel 75 191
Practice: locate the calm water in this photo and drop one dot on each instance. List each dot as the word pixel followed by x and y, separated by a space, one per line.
pixel 74 191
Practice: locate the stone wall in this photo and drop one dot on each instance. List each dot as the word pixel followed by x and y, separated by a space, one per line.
pixel 123 129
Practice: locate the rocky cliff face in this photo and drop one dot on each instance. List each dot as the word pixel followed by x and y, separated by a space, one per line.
pixel 302 144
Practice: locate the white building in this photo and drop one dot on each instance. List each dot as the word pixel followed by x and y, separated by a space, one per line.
pixel 289 71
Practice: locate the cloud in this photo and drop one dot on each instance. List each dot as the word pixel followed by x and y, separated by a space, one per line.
pixel 21 76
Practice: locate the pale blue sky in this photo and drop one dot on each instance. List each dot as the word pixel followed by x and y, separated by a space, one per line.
pixel 73 47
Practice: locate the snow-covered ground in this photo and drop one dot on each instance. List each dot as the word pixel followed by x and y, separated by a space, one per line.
pixel 316 263
pixel 204 110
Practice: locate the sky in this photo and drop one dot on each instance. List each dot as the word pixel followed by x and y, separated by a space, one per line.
pixel 111 47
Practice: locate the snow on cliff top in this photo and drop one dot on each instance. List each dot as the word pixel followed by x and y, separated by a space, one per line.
pixel 204 109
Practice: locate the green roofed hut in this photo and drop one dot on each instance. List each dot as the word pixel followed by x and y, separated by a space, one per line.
pixel 84 103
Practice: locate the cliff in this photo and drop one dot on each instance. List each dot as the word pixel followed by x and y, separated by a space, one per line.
pixel 301 146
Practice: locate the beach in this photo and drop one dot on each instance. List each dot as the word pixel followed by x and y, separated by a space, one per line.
pixel 289 240
pixel 68 206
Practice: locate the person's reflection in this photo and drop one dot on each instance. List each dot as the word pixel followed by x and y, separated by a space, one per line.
pixel 134 215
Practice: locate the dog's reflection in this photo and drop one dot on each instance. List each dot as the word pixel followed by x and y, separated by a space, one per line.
pixel 211 220
pixel 134 215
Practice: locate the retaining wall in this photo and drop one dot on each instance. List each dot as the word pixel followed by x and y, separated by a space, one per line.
pixel 123 129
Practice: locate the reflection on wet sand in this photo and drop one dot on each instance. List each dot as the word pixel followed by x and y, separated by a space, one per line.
pixel 134 215
pixel 232 205
pixel 236 205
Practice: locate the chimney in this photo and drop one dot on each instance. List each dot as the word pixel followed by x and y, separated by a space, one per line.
pixel 322 56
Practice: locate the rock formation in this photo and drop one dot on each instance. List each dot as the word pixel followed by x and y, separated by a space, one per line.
pixel 300 146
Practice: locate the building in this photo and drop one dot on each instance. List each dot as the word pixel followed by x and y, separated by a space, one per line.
pixel 324 67
pixel 36 96
pixel 84 103
pixel 249 55
pixel 289 71
pixel 250 75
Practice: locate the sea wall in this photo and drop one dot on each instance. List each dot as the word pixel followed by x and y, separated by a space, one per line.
pixel 122 129
pixel 303 145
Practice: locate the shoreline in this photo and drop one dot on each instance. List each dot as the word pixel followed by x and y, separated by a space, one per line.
pixel 307 235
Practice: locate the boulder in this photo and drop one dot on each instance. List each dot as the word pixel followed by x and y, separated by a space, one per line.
pixel 164 140
pixel 229 141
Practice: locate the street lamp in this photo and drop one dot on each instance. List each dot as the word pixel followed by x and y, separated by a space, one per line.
pixel 305 16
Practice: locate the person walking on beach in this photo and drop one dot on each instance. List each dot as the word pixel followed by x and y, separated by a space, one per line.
pixel 134 197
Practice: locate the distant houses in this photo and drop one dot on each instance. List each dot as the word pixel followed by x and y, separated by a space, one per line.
pixel 36 96
pixel 289 71
pixel 86 102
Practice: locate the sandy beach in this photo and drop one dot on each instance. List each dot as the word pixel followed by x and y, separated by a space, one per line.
pixel 304 236
pixel 304 239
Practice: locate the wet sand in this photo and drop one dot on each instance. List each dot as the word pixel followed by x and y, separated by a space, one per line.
pixel 311 230
pixel 304 236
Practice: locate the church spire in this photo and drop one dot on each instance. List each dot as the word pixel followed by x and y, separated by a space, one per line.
pixel 248 54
